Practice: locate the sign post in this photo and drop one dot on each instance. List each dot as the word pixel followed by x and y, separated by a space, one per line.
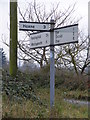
pixel 41 39
pixel 66 35
pixel 50 37
pixel 52 68
pixel 33 26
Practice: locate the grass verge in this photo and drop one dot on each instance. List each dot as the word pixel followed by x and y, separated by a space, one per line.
pixel 32 109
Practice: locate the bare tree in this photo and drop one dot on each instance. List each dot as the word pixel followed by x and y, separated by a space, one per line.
pixel 66 55
pixel 37 13
pixel 74 55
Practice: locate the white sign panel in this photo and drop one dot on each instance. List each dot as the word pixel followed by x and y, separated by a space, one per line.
pixel 41 39
pixel 65 35
pixel 33 26
pixel 89 18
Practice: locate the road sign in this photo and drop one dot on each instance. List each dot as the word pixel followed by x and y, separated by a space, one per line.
pixel 33 26
pixel 64 35
pixel 38 40
pixel 57 36
pixel 89 19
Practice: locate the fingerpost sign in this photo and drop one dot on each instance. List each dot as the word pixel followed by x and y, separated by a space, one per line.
pixel 50 36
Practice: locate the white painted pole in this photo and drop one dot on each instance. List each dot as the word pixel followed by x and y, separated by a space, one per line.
pixel 0 83
pixel 89 49
pixel 89 36
pixel 89 18
pixel 0 58
pixel 52 68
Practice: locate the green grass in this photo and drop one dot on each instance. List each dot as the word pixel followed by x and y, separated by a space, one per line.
pixel 30 109
pixel 76 94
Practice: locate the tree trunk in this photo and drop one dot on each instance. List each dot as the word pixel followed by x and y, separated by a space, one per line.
pixel 13 38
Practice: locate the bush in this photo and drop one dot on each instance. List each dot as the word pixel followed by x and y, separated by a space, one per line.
pixel 63 79
pixel 69 80
pixel 19 88
pixel 41 77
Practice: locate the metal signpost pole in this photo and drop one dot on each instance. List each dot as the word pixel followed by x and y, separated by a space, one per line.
pixel 52 68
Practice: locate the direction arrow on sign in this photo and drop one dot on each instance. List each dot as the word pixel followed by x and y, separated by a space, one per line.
pixel 33 26
pixel 65 35
pixel 38 40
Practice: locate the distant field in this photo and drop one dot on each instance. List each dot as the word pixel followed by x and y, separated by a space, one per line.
pixel 33 109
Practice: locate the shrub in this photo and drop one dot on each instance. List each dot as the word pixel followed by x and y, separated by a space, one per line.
pixel 19 88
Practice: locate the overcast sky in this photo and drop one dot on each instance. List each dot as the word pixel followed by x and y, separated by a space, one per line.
pixel 81 11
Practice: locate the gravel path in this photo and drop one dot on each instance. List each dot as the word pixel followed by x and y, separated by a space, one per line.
pixel 78 102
